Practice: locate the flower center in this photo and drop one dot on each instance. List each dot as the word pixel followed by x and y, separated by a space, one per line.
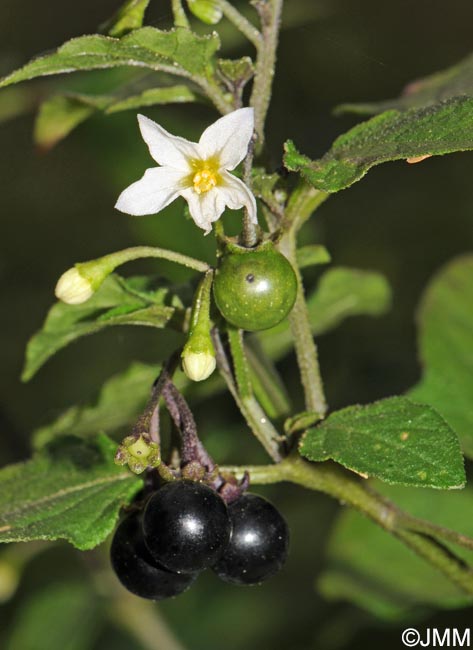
pixel 204 180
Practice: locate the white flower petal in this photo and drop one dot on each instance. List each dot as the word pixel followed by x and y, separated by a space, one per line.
pixel 228 138
pixel 204 208
pixel 237 195
pixel 154 191
pixel 165 148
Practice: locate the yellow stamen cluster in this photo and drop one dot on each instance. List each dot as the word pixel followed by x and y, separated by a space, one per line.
pixel 204 180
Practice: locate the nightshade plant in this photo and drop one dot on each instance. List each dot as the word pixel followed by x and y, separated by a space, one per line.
pixel 243 320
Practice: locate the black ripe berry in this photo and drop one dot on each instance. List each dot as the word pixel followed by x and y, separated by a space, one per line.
pixel 186 526
pixel 137 570
pixel 258 545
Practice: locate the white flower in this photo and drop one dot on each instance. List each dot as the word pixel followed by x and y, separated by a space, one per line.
pixel 73 288
pixel 197 171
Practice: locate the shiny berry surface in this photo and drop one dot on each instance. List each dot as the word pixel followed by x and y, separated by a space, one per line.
pixel 255 289
pixel 186 526
pixel 137 570
pixel 259 543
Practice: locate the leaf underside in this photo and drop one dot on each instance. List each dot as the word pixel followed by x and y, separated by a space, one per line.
pixel 115 303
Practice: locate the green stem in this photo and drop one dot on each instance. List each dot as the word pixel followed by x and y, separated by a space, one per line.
pixel 270 14
pixel 304 344
pixel 215 94
pixel 304 200
pixel 241 23
pixel 249 407
pixel 140 618
pixel 250 229
pixel 97 270
pixel 143 621
pixel 180 18
pixel 240 363
pixel 334 481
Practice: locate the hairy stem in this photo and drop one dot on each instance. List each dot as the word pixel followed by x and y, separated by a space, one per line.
pixel 251 410
pixel 304 200
pixel 418 535
pixel 97 270
pixel 270 15
pixel 250 229
pixel 241 23
pixel 304 344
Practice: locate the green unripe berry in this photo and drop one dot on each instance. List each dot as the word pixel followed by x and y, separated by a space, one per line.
pixel 254 289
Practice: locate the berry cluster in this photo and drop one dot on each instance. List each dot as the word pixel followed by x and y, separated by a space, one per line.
pixel 185 528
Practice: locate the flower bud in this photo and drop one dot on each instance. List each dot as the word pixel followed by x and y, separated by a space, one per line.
pixel 207 11
pixel 73 288
pixel 198 365
pixel 198 355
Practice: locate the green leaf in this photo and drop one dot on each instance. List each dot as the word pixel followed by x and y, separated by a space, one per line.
pixel 178 51
pixel 263 186
pixel 341 293
pixel 115 303
pixel 268 387
pixel 130 16
pixel 394 440
pixel 445 322
pixel 237 71
pixel 442 128
pixel 121 399
pixel 373 569
pixel 312 255
pixel 177 94
pixel 70 490
pixel 61 114
pixel 48 616
pixel 15 102
pixel 452 82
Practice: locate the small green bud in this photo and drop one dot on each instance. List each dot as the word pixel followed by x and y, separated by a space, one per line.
pixel 139 453
pixel 198 355
pixel 73 288
pixel 207 11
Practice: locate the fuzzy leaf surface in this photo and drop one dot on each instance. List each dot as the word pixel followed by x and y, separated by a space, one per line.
pixel 71 490
pixel 394 439
pixel 178 51
pixel 438 129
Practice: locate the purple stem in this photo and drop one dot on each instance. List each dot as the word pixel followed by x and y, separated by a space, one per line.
pixel 192 448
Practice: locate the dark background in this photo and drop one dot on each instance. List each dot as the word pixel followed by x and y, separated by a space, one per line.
pixel 402 220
